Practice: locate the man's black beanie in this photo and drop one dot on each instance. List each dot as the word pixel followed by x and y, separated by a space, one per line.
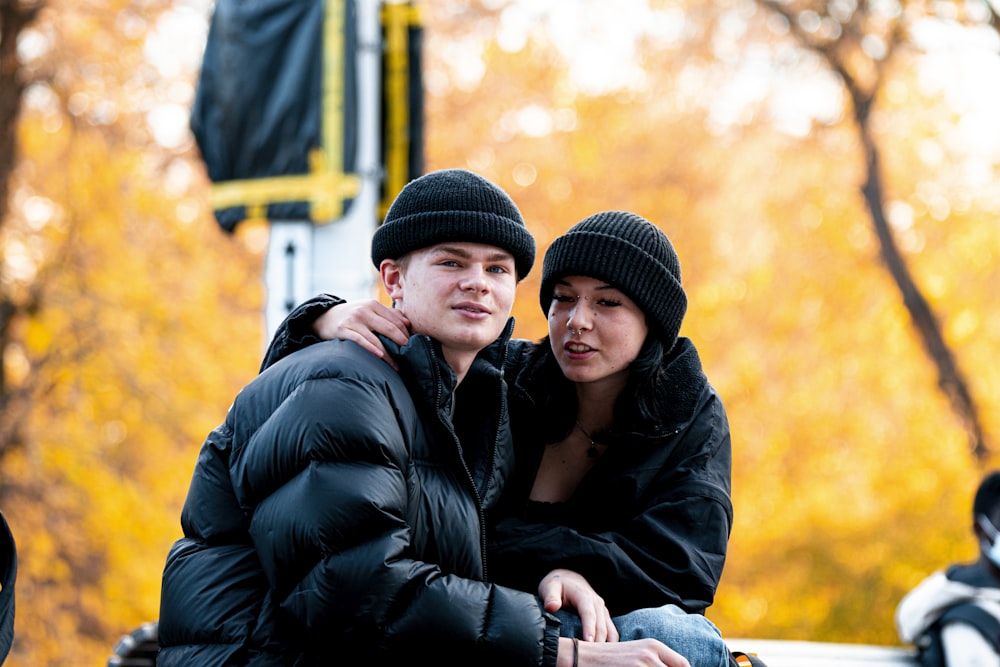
pixel 453 205
pixel 628 252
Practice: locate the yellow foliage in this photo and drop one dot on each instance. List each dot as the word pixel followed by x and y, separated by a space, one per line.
pixel 851 475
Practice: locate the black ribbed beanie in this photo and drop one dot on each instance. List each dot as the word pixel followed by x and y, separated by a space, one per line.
pixel 453 205
pixel 628 252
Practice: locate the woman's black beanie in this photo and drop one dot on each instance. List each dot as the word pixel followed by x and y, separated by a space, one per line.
pixel 628 252
pixel 453 205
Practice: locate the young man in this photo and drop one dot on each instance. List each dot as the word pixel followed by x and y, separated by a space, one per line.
pixel 953 616
pixel 337 515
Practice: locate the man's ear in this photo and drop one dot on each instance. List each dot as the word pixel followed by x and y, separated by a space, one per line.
pixel 392 278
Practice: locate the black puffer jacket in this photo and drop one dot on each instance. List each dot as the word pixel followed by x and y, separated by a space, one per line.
pixel 650 523
pixel 335 518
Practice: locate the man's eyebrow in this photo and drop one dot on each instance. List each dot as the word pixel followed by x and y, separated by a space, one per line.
pixel 498 256
pixel 501 256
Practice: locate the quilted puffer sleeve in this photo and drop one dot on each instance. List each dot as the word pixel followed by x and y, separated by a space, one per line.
pixel 213 589
pixel 328 481
pixel 295 331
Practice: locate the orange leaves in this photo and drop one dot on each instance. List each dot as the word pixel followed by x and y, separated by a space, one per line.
pixel 851 478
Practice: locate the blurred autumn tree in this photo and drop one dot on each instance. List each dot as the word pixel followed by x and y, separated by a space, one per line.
pixel 857 44
pixel 129 321
pixel 134 321
pixel 14 16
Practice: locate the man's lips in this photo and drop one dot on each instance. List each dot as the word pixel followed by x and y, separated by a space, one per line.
pixel 472 307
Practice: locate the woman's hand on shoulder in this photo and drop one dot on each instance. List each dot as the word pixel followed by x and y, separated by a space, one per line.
pixel 359 321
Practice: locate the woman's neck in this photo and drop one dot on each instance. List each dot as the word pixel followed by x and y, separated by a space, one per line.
pixel 596 403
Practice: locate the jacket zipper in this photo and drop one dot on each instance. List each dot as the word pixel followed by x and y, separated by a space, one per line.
pixel 447 423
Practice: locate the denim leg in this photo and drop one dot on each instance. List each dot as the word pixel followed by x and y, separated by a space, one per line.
pixel 570 625
pixel 692 635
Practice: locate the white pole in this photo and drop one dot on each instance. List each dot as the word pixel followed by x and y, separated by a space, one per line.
pixel 342 250
pixel 287 270
pixel 304 258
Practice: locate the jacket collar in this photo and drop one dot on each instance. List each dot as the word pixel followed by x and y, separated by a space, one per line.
pixel 680 387
pixel 422 364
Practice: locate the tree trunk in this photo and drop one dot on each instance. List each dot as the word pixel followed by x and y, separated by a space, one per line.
pixel 14 17
pixel 950 378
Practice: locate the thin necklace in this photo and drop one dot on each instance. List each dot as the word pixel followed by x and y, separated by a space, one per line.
pixel 592 449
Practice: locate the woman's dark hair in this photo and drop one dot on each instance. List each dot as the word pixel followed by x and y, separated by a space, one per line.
pixel 644 373
pixel 556 396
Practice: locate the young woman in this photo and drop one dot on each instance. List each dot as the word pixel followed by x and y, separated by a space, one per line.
pixel 623 452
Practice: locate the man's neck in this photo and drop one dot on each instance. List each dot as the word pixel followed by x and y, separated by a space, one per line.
pixel 460 363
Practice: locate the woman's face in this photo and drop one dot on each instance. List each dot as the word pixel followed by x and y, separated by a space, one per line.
pixel 594 329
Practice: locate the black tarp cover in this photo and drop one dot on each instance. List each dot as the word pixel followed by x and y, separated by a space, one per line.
pixel 259 106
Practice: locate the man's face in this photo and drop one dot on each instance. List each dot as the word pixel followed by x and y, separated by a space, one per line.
pixel 460 294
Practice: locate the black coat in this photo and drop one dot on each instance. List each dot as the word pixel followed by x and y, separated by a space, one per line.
pixel 650 523
pixel 336 517
pixel 8 576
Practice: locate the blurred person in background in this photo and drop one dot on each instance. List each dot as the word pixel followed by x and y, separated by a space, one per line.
pixel 8 575
pixel 953 616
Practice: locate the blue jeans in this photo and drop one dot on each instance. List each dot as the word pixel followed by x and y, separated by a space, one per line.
pixel 692 635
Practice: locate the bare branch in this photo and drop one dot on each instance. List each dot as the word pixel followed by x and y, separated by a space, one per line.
pixel 951 380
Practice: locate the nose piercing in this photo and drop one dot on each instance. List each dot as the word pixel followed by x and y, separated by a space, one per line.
pixel 574 332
